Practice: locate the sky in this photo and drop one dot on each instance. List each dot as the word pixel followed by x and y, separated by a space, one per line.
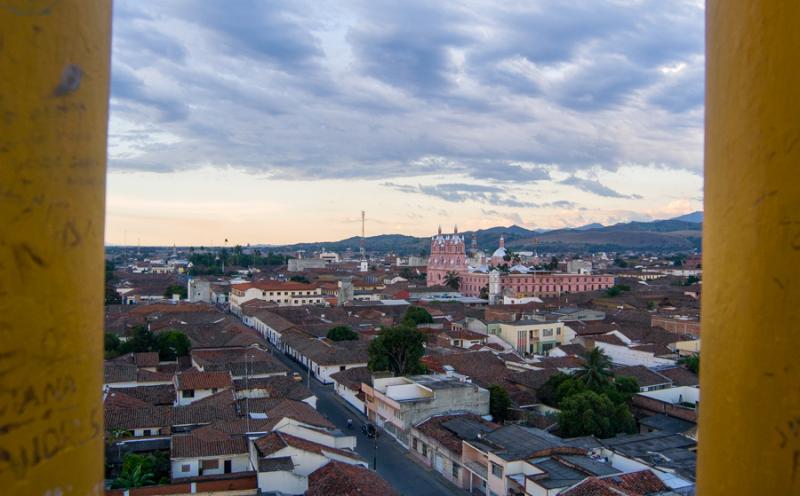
pixel 280 121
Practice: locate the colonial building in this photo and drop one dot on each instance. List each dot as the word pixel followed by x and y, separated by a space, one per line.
pixel 448 254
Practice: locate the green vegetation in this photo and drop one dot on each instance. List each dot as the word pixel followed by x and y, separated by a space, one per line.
pixel 620 263
pixel 691 280
pixel 169 344
pixel 342 333
pixel 452 280
pixel 415 316
pixel 591 403
pixel 499 403
pixel 302 279
pixel 617 290
pixel 111 296
pixel 590 413
pixel 143 470
pixel 210 263
pixel 484 293
pixel 178 289
pixel 398 349
pixel 691 362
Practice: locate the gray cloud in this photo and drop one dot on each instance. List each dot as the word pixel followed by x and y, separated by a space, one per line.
pixel 381 90
pixel 592 186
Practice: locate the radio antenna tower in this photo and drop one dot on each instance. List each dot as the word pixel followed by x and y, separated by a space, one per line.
pixel 363 250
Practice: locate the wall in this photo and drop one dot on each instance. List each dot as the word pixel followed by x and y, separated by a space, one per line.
pixel 282 483
pixel 349 396
pixel 240 463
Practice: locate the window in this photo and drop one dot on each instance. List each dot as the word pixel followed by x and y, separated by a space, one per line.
pixel 414 444
pixel 209 464
pixel 558 331
pixel 342 367
pixel 455 470
pixel 188 393
pixel 547 332
pixel 424 450
pixel 186 467
pixel 497 470
pixel 213 390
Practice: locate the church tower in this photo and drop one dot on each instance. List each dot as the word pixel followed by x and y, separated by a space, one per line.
pixel 448 254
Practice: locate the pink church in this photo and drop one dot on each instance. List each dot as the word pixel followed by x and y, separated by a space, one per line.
pixel 448 254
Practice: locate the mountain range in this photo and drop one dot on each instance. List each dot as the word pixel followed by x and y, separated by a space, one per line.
pixel 676 234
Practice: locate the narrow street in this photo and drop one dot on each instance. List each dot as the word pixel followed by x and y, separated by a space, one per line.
pixel 394 462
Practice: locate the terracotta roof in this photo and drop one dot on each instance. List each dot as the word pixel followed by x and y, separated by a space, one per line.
pixel 326 352
pixel 644 376
pixel 353 378
pixel 149 359
pixel 193 379
pixel 449 438
pixel 118 399
pixel 127 418
pixel 296 410
pixel 238 361
pixel 276 387
pixel 681 376
pixel 275 286
pixel 642 483
pixel 276 441
pixel 343 479
pixel 206 442
pixel 573 349
pixel 154 395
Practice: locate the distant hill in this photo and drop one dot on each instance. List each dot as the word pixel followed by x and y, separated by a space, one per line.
pixel 658 235
pixel 696 217
pixel 593 225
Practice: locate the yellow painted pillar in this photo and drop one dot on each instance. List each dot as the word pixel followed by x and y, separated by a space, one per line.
pixel 749 436
pixel 54 77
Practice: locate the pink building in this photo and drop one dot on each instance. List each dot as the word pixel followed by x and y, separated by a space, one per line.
pixel 448 255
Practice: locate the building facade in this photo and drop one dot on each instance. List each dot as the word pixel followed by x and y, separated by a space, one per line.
pixel 448 254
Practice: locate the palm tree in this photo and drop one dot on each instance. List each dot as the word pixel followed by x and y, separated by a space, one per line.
pixel 452 280
pixel 134 478
pixel 595 372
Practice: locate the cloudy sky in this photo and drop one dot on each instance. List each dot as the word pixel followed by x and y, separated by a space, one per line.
pixel 279 121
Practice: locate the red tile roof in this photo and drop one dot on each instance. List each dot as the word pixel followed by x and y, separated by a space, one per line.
pixel 342 479
pixel 193 379
pixel 642 483
pixel 275 286
pixel 276 441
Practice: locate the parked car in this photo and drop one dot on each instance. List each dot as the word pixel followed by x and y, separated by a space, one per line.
pixel 369 430
pixel 296 376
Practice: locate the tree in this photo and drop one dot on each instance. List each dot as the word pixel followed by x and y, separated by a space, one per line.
pixel 499 403
pixel 415 316
pixel 111 296
pixel 143 470
pixel 172 344
pixel 589 413
pixel 553 263
pixel 620 262
pixel 691 280
pixel 595 373
pixel 452 280
pixel 178 289
pixel 342 333
pixel 691 362
pixel 302 279
pixel 405 273
pixel 398 349
pixel 484 293
pixel 111 345
pixel 142 341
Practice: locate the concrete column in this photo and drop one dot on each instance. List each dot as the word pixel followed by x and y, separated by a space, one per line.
pixel 749 431
pixel 54 75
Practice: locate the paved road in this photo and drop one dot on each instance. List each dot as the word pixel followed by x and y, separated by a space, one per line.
pixel 394 462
